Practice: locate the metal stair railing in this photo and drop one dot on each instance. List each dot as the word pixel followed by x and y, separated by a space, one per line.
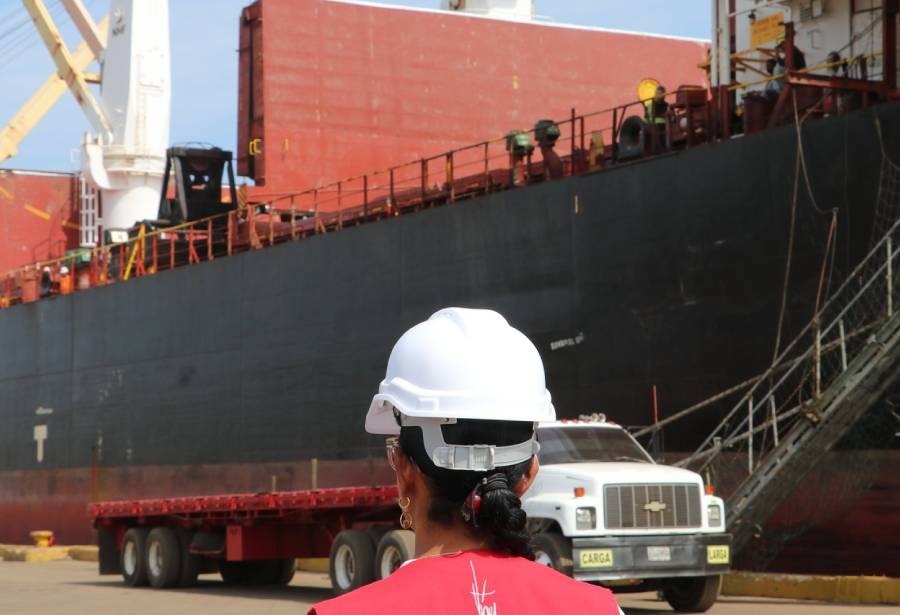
pixel 838 367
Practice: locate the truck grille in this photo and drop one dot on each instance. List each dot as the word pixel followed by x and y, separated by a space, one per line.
pixel 650 506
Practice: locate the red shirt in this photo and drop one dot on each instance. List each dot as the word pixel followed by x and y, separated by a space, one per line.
pixel 472 583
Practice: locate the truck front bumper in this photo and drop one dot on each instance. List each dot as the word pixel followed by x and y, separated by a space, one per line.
pixel 647 557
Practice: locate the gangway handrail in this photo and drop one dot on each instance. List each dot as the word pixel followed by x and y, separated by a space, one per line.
pixel 741 405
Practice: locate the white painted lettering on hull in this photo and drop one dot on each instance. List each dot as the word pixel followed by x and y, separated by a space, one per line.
pixel 40 436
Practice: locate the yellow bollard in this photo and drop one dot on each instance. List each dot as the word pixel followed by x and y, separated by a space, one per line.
pixel 42 538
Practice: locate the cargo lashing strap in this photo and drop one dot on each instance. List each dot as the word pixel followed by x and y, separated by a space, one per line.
pixel 471 457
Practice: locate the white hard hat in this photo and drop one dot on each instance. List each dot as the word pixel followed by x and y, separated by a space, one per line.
pixel 461 364
pixel 63 270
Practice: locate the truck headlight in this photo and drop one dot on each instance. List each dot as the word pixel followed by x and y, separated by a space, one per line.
pixel 714 513
pixel 585 518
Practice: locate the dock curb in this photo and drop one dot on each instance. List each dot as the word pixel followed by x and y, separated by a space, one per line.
pixel 84 553
pixel 28 553
pixel 313 564
pixel 860 590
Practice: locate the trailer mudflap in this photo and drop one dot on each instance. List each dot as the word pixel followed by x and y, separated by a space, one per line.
pixel 108 552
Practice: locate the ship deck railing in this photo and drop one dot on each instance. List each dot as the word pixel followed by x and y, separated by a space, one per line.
pixel 587 143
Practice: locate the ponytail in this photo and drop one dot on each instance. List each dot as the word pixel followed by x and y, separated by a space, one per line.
pixel 484 500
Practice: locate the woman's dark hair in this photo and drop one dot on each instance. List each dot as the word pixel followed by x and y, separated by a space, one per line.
pixel 500 518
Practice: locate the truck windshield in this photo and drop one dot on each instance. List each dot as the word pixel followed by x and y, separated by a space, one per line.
pixel 583 444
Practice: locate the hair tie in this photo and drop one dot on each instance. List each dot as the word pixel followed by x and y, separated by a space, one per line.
pixel 472 504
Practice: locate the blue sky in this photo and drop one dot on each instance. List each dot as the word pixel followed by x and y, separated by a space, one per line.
pixel 204 92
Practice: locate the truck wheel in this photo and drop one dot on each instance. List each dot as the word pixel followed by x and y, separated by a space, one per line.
pixel 233 573
pixel 352 561
pixel 394 548
pixel 163 558
pixel 190 563
pixel 133 560
pixel 693 594
pixel 553 550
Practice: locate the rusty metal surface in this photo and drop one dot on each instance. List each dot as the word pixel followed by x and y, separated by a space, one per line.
pixel 38 217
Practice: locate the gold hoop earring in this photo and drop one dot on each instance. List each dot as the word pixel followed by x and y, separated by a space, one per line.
pixel 406 521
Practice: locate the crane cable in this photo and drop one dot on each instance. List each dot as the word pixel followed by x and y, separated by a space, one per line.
pixel 21 37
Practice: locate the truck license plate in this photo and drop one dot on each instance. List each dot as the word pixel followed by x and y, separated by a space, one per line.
pixel 659 554
pixel 597 558
pixel 717 554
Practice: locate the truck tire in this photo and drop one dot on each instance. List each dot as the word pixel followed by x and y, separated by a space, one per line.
pixel 553 550
pixel 692 594
pixel 163 558
pixel 394 548
pixel 190 563
pixel 133 559
pixel 352 561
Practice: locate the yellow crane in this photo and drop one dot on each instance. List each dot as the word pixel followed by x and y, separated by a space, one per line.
pixel 70 74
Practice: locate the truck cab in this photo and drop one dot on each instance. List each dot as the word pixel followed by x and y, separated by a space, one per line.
pixel 603 511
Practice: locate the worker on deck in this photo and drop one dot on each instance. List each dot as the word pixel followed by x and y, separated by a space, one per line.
pixel 65 281
pixel 460 400
pixel 778 66
pixel 46 282
pixel 657 114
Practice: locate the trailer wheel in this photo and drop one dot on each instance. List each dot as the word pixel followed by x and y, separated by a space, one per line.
pixel 553 550
pixel 352 561
pixel 133 561
pixel 190 563
pixel 163 558
pixel 394 548
pixel 693 594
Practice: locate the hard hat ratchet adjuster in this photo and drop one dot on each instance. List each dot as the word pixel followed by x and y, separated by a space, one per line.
pixel 471 457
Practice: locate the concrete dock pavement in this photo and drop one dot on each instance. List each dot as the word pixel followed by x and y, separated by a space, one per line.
pixel 70 587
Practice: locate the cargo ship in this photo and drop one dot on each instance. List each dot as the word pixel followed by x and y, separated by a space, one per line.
pixel 646 260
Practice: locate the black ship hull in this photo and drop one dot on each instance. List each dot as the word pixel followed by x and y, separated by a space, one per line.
pixel 235 374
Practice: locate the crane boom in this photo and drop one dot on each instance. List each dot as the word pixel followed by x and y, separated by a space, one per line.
pixel 34 110
pixel 65 65
pixel 86 26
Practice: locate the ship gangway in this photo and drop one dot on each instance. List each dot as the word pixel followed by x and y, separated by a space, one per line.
pixel 839 367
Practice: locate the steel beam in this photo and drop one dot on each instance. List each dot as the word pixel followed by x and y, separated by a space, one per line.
pixel 65 65
pixel 34 110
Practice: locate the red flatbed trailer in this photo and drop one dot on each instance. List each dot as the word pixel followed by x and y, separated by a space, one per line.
pixel 252 538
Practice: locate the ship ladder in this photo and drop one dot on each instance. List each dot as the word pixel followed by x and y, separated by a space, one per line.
pixel 840 366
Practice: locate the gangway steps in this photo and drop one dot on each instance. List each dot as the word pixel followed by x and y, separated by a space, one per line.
pixel 863 383
pixel 836 369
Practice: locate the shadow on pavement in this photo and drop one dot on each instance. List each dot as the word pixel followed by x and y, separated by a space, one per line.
pixel 218 588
